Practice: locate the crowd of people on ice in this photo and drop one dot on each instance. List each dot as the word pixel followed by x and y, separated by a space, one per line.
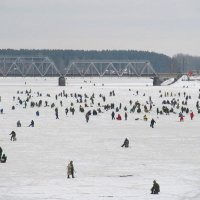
pixel 94 105
pixel 85 102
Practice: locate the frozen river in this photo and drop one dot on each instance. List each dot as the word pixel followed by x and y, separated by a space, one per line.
pixel 37 161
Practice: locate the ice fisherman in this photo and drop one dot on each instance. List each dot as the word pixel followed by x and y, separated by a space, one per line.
pixel 70 169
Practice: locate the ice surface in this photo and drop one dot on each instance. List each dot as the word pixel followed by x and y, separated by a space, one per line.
pixel 36 166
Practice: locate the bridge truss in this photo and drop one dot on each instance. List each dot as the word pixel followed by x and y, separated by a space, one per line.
pixel 27 66
pixel 43 66
pixel 110 68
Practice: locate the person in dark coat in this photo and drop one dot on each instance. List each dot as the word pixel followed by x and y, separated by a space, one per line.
pixel 70 170
pixel 1 151
pixel 126 143
pixel 37 113
pixel 94 112
pixel 66 111
pixel 3 159
pixel 156 188
pixel 152 123
pixel 13 136
pixel 56 113
pixel 72 110
pixel 87 117
pixel 113 115
pixel 31 124
pixel 19 123
pixel 157 111
pixel 126 115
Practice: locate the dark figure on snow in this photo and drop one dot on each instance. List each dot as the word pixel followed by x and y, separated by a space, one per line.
pixel 3 158
pixel 113 115
pixel 156 188
pixel 72 110
pixel 37 113
pixel 1 151
pixel 56 113
pixel 19 123
pixel 126 143
pixel 31 124
pixel 87 117
pixel 66 111
pixel 94 112
pixel 181 117
pixel 152 123
pixel 13 136
pixel 126 115
pixel 70 170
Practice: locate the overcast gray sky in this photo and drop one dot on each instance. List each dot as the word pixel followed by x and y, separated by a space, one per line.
pixel 164 26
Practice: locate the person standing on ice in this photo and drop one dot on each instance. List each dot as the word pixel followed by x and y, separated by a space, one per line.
pixel 66 111
pixel 70 169
pixel 152 123
pixel 156 188
pixel 1 151
pixel 113 115
pixel 125 115
pixel 87 117
pixel 181 117
pixel 56 113
pixel 191 115
pixel 13 136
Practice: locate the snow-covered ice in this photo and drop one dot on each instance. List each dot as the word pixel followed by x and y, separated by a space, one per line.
pixel 37 161
pixel 168 82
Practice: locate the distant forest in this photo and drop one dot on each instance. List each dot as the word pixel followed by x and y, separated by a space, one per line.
pixel 185 63
pixel 160 62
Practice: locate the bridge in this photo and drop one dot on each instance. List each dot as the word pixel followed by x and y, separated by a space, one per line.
pixel 110 68
pixel 27 66
pixel 44 66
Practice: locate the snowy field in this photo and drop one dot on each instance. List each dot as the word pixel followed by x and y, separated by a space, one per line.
pixel 37 161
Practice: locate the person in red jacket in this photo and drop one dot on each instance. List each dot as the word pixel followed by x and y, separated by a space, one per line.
pixel 119 117
pixel 181 117
pixel 191 115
